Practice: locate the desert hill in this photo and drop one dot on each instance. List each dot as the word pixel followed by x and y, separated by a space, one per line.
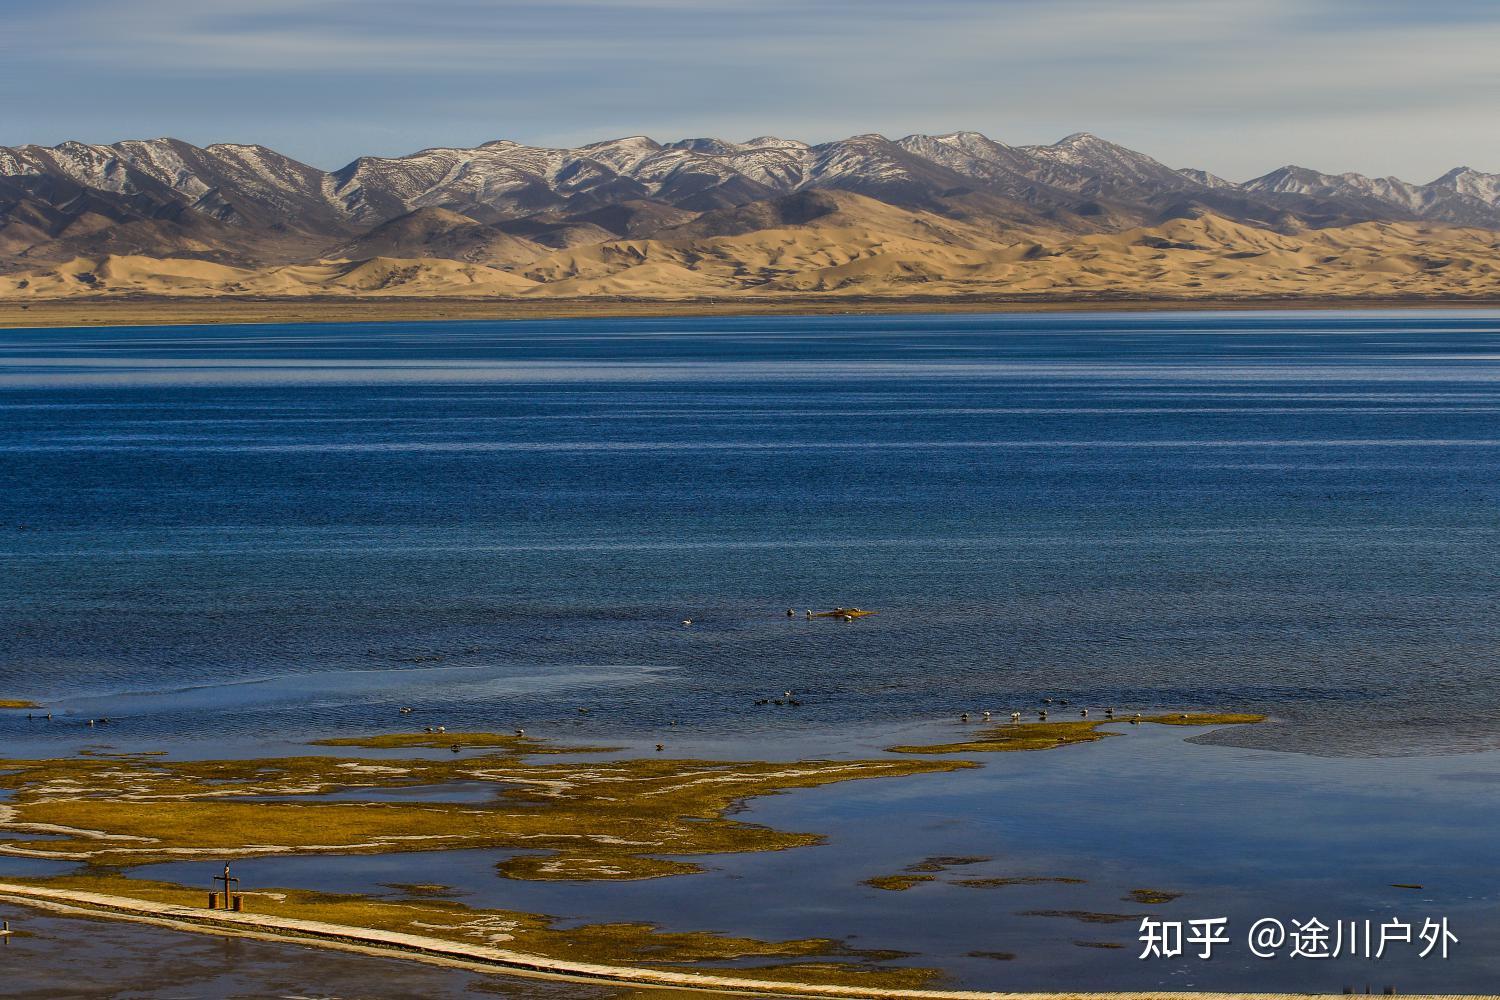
pixel 873 253
pixel 950 215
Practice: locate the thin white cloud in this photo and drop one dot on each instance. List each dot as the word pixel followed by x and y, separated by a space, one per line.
pixel 1234 86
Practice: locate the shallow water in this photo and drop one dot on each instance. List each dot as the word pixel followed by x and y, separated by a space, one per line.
pixel 58 957
pixel 1239 833
pixel 230 539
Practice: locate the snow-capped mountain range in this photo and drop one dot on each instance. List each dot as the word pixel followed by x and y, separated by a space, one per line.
pixel 229 200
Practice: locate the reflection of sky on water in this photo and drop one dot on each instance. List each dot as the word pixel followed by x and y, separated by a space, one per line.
pixel 1241 834
pixel 57 957
pixel 231 540
pixel 1285 511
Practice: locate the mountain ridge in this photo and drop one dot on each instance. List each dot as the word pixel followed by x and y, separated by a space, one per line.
pixel 684 208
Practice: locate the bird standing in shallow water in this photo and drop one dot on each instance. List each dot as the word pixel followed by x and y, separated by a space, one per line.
pixel 1015 717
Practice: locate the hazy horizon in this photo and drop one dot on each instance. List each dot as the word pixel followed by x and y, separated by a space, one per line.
pixel 1371 86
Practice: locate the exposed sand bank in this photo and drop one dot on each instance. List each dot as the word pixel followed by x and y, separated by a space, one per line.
pixel 147 311
pixel 607 820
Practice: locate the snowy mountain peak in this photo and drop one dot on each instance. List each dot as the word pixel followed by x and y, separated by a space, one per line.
pixel 1206 179
pixel 630 184
pixel 707 145
pixel 774 142
pixel 961 138
pixel 622 154
pixel 1471 183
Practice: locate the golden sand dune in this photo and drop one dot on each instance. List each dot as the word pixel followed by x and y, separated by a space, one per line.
pixel 178 277
pixel 852 246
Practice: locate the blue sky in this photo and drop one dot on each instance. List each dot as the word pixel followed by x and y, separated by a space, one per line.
pixel 1235 86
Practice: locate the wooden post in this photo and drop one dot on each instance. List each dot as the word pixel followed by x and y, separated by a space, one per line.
pixel 213 901
pixel 239 903
pixel 229 883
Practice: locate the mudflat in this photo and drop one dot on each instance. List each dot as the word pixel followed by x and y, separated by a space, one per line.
pixel 152 311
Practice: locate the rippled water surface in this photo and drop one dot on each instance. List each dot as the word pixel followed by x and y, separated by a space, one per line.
pixel 1289 512
pixel 230 539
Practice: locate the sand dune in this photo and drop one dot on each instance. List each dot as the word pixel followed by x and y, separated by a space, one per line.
pixel 842 245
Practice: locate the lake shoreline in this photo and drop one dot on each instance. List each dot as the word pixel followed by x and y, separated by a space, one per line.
pixel 139 311
pixel 478 958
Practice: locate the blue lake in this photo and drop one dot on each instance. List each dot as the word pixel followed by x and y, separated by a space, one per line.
pixel 228 539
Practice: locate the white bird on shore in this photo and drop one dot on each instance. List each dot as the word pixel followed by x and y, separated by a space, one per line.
pixel 520 732
pixel 1015 717
pixel 1084 713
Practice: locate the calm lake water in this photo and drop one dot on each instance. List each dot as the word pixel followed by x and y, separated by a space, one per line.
pixel 238 537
